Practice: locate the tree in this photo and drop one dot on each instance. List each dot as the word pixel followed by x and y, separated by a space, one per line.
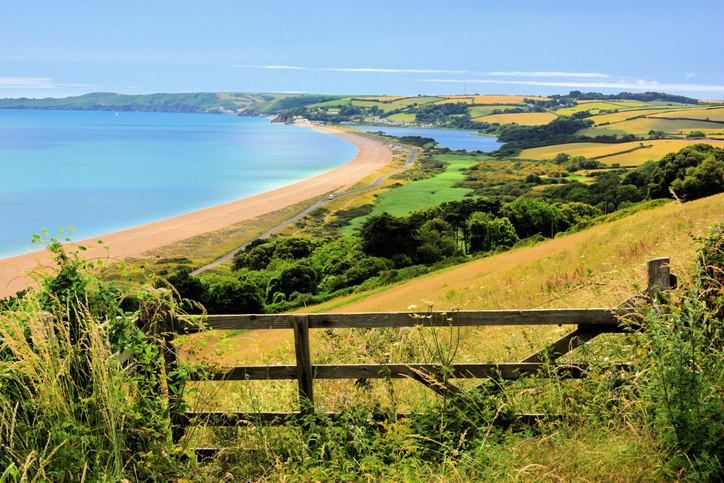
pixel 488 232
pixel 531 217
pixel 704 180
pixel 674 166
pixel 300 277
pixel 386 236
pixel 226 294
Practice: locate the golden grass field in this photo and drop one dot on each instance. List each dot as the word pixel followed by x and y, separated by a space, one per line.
pixel 714 114
pixel 522 118
pixel 624 115
pixel 659 148
pixel 642 126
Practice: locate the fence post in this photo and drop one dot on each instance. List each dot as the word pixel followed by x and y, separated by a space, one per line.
pixel 305 376
pixel 159 322
pixel 659 277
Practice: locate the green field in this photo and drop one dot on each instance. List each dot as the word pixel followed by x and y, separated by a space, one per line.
pixel 421 194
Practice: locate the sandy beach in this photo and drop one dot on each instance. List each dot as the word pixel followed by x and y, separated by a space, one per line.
pixel 372 156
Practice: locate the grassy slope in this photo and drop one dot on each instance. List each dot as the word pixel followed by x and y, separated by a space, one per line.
pixel 541 276
pixel 184 102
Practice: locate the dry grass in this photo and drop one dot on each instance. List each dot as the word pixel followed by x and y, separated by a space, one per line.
pixel 210 246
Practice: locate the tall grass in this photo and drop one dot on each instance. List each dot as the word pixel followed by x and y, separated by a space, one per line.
pixel 78 384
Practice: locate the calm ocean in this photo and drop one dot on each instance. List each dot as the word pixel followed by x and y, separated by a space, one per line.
pixel 102 172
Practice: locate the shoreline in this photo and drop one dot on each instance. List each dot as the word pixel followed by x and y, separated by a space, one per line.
pixel 372 156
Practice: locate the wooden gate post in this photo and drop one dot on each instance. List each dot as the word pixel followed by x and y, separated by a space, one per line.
pixel 305 376
pixel 159 322
pixel 659 277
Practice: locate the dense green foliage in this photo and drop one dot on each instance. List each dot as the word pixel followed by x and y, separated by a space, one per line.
pixel 610 191
pixel 634 96
pixel 693 172
pixel 558 130
pixel 86 395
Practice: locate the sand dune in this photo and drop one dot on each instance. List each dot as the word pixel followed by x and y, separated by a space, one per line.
pixel 372 156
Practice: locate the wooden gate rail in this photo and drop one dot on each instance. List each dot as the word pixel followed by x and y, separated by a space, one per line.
pixel 595 317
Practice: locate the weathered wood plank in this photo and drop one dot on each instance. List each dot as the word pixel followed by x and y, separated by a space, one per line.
pixel 279 418
pixel 381 371
pixel 252 373
pixel 567 343
pixel 597 316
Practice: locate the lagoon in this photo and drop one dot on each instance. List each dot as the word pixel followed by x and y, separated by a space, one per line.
pixel 448 138
pixel 103 171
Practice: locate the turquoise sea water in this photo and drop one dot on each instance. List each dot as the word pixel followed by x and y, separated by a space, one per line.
pixel 448 138
pixel 101 172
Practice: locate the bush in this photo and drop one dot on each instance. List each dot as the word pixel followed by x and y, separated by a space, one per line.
pixel 82 386
pixel 683 363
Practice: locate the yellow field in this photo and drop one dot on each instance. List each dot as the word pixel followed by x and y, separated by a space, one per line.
pixel 712 113
pixel 623 115
pixel 659 148
pixel 642 126
pixel 402 117
pixel 453 100
pixel 522 118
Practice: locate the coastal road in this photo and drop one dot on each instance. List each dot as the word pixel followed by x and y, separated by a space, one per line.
pixel 284 224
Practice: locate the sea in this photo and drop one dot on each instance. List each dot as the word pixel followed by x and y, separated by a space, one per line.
pixel 448 138
pixel 102 171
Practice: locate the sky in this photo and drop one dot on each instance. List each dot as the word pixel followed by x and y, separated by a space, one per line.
pixel 58 49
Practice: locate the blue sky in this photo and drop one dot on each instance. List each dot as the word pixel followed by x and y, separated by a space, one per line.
pixel 57 49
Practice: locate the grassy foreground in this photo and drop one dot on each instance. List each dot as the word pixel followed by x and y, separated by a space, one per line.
pixel 74 408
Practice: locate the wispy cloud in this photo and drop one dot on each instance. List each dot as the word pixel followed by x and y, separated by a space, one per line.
pixel 358 69
pixel 636 85
pixel 34 83
pixel 27 82
pixel 690 75
pixel 587 75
